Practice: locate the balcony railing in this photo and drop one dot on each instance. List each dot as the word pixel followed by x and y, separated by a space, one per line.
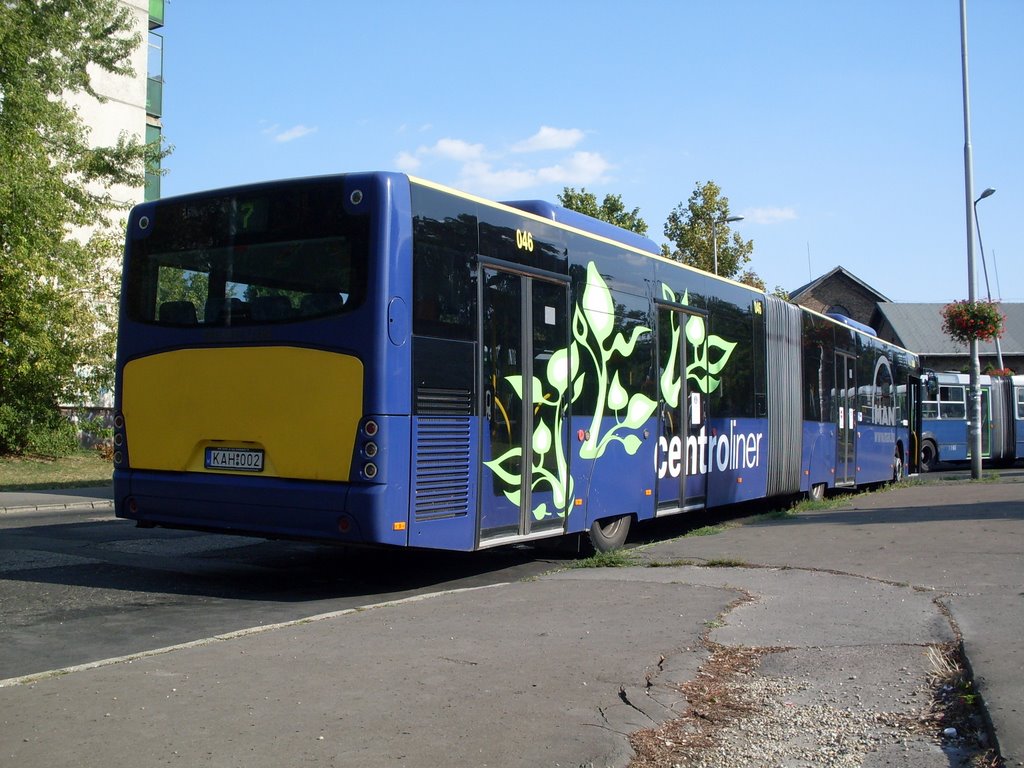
pixel 154 97
pixel 156 13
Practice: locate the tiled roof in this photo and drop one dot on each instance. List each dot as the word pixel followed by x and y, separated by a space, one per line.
pixel 919 327
pixel 795 294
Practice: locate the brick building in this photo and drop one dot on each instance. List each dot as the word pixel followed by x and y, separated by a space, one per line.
pixel 918 327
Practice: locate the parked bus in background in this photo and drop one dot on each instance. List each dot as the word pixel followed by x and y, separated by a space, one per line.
pixel 376 359
pixel 945 424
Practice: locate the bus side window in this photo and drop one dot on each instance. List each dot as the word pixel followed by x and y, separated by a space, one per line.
pixel 952 404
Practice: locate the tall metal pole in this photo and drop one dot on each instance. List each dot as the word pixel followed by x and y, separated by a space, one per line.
pixel 714 234
pixel 974 430
pixel 714 242
pixel 981 249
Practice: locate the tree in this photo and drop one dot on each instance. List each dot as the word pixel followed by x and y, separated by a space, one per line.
pixel 751 278
pixel 611 209
pixel 689 229
pixel 55 290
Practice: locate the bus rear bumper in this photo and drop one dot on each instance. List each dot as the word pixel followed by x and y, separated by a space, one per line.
pixel 259 506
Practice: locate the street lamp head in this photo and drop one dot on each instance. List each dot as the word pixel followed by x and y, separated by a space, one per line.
pixel 987 193
pixel 740 218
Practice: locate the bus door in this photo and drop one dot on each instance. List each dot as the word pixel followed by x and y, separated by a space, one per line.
pixel 681 460
pixel 524 487
pixel 846 432
pixel 986 424
pixel 912 420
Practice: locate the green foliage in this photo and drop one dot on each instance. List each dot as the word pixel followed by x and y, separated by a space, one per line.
pixel 751 278
pixel 611 209
pixel 57 293
pixel 617 558
pixel 689 229
pixel 77 470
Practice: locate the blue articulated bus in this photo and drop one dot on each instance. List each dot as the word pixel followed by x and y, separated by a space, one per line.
pixel 945 426
pixel 375 359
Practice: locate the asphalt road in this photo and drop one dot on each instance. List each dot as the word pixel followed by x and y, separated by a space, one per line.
pixel 80 585
pixel 533 671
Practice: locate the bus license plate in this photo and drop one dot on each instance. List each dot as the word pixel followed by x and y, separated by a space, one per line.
pixel 235 459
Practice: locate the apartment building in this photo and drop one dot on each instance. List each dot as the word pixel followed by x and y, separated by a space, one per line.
pixel 133 104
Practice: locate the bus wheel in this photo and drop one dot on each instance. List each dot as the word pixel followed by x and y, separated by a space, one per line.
pixel 897 466
pixel 928 456
pixel 610 533
pixel 817 492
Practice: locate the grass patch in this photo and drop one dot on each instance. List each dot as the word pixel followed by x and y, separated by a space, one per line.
pixel 707 530
pixel 617 558
pixel 777 514
pixel 79 470
pixel 987 476
pixel 671 563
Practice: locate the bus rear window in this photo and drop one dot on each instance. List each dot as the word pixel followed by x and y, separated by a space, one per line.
pixel 277 257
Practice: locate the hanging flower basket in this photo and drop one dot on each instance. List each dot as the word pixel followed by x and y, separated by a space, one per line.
pixel 966 321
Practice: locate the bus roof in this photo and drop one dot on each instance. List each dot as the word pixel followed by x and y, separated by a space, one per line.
pixel 586 223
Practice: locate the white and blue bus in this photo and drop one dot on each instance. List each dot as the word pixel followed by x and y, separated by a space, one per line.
pixel 945 410
pixel 376 359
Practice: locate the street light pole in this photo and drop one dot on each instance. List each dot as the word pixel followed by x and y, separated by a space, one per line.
pixel 974 414
pixel 981 248
pixel 714 234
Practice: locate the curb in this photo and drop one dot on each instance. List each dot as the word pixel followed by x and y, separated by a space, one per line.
pixel 100 504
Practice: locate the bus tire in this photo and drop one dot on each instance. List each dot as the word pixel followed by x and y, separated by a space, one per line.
pixel 897 466
pixel 610 533
pixel 817 492
pixel 929 456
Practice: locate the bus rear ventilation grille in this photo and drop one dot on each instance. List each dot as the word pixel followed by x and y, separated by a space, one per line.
pixel 441 468
pixel 455 402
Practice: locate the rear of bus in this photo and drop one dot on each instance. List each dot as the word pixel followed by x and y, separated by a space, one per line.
pixel 263 364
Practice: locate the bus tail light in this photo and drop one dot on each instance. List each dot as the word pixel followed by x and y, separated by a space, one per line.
pixel 120 441
pixel 371 444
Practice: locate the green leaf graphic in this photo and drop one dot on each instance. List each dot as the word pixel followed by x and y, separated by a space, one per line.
pixel 726 348
pixel 598 305
pixel 641 408
pixel 542 439
pixel 618 398
pixel 632 444
pixel 497 466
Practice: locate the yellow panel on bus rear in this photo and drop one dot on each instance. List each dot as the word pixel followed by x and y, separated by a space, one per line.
pixel 301 407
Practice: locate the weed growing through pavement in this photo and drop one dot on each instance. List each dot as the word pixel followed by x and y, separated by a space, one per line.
pixel 724 562
pixel 707 530
pixel 956 710
pixel 617 558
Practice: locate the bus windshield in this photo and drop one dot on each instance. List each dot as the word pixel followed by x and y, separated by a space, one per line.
pixel 274 256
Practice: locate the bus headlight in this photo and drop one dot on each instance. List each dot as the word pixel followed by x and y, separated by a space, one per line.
pixel 370 450
pixel 370 470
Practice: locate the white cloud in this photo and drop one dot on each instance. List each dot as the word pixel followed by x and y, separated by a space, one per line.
pixel 550 138
pixel 407 162
pixel 491 173
pixel 580 168
pixel 456 149
pixel 297 132
pixel 770 215
pixel 482 178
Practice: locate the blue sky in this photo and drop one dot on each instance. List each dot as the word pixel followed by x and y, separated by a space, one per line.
pixel 835 128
